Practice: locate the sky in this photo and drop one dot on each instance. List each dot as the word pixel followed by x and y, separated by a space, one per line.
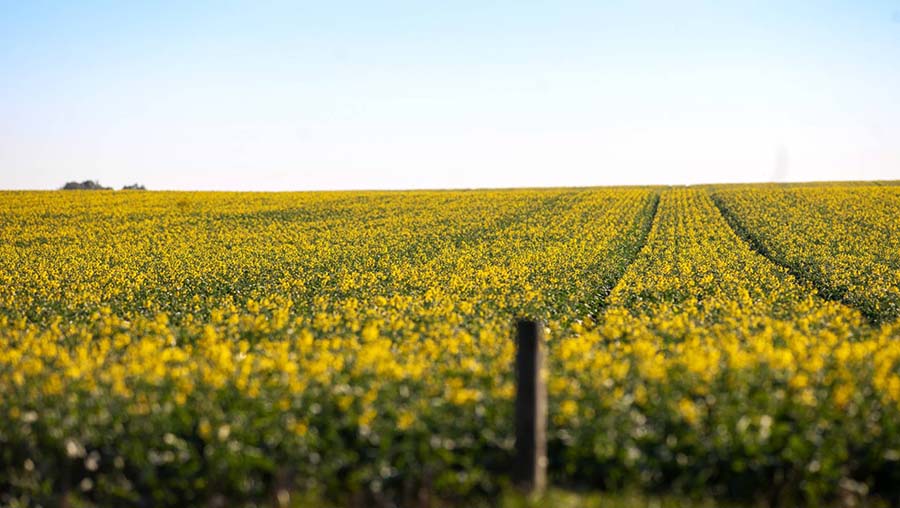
pixel 268 95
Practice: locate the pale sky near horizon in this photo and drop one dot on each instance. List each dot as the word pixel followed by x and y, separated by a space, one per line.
pixel 396 95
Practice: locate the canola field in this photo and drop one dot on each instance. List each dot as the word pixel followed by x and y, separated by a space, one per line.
pixel 179 349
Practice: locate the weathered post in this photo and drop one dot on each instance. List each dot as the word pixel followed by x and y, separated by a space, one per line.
pixel 531 408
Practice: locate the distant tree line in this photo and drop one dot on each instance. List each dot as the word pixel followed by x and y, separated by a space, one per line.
pixel 92 185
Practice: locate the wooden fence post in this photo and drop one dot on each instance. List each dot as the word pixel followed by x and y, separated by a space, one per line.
pixel 531 408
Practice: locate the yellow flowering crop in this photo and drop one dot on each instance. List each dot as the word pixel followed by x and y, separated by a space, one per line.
pixel 844 239
pixel 164 348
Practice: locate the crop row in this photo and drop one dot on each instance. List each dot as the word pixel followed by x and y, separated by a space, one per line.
pixel 714 370
pixel 842 239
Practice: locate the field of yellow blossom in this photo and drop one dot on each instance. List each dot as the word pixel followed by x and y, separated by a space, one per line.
pixel 180 349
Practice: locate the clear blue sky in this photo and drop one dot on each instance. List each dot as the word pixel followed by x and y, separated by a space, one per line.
pixel 364 94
